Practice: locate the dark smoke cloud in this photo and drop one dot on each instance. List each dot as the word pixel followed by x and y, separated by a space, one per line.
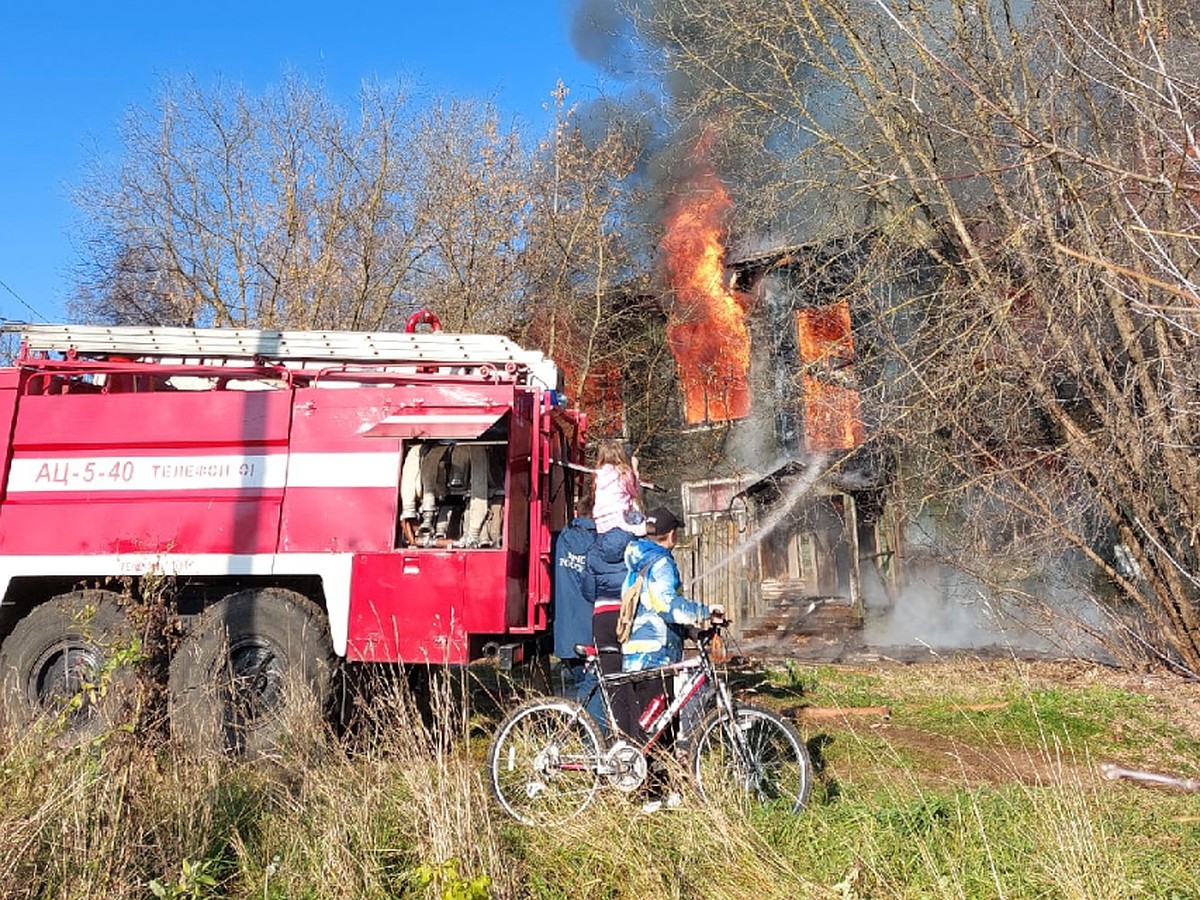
pixel 635 114
pixel 604 36
pixel 761 158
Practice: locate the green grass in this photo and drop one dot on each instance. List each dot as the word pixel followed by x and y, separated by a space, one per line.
pixel 982 783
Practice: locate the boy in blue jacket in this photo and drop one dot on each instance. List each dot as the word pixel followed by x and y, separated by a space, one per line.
pixel 663 612
pixel 663 615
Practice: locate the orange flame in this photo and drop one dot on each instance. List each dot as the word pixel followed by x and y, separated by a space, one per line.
pixel 708 334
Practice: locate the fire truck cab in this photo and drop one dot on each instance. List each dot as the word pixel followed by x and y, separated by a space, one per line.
pixel 305 496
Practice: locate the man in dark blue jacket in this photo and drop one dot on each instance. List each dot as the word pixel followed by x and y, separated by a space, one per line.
pixel 572 609
pixel 602 587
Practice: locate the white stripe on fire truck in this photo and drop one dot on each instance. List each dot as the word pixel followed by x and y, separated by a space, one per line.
pixel 88 474
pixel 344 470
pixel 332 568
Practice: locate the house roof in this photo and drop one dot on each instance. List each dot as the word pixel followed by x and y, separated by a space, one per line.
pixel 859 470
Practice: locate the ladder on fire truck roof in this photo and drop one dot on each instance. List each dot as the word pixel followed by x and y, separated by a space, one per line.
pixel 221 345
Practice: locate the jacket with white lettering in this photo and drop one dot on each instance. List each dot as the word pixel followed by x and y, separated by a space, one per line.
pixel 572 610
pixel 663 613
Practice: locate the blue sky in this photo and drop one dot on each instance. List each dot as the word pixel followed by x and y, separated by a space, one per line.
pixel 70 70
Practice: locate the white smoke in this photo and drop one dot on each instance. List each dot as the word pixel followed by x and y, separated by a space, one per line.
pixel 942 610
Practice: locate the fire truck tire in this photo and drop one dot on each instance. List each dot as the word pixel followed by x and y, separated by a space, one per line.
pixel 71 663
pixel 253 673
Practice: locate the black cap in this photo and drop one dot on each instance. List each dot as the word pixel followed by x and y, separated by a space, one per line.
pixel 661 521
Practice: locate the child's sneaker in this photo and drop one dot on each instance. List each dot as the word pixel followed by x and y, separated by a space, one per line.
pixel 671 801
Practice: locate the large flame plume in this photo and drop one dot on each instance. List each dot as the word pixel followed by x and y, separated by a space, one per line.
pixel 708 334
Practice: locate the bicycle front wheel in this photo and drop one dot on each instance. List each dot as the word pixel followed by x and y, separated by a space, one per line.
pixel 545 762
pixel 754 757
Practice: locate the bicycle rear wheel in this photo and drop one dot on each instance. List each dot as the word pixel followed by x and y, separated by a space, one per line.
pixel 545 762
pixel 753 757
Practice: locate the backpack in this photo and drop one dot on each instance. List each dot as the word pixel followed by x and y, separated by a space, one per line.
pixel 629 604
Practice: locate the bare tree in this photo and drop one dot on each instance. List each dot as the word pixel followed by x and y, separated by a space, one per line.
pixel 230 209
pixel 1026 178
pixel 243 210
pixel 472 191
pixel 285 210
pixel 582 258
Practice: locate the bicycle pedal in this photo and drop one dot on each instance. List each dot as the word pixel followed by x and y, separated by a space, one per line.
pixel 533 789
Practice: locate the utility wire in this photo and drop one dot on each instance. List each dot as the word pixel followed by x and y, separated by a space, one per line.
pixel 21 300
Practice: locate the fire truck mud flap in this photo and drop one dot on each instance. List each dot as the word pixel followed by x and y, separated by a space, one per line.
pixel 253 675
pixel 70 664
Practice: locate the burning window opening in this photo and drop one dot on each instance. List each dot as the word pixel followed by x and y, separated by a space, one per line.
pixel 593 381
pixel 715 388
pixel 832 405
pixel 832 417
pixel 599 392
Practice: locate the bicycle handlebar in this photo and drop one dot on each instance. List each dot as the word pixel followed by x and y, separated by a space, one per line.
pixel 698 633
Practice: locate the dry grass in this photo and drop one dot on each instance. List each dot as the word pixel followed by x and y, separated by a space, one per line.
pixel 400 807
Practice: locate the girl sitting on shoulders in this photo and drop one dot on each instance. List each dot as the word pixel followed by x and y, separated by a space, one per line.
pixel 617 501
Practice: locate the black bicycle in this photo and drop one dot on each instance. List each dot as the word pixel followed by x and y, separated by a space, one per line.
pixel 549 759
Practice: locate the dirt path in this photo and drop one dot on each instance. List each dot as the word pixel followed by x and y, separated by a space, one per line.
pixel 985 684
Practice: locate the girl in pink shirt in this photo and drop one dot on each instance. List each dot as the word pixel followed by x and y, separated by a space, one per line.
pixel 617 501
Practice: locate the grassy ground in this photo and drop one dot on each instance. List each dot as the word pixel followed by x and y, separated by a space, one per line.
pixel 980 780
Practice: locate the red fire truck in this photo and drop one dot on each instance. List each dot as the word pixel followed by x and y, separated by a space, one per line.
pixel 306 497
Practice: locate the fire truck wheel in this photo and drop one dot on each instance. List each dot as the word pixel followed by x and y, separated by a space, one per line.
pixel 70 662
pixel 254 671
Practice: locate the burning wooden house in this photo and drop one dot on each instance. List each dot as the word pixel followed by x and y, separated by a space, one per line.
pixel 786 523
pixel 738 381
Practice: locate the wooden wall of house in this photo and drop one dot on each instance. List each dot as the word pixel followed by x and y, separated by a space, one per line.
pixel 716 567
pixel 818 555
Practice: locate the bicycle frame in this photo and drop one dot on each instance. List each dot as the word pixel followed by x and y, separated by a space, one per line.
pixel 699 671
